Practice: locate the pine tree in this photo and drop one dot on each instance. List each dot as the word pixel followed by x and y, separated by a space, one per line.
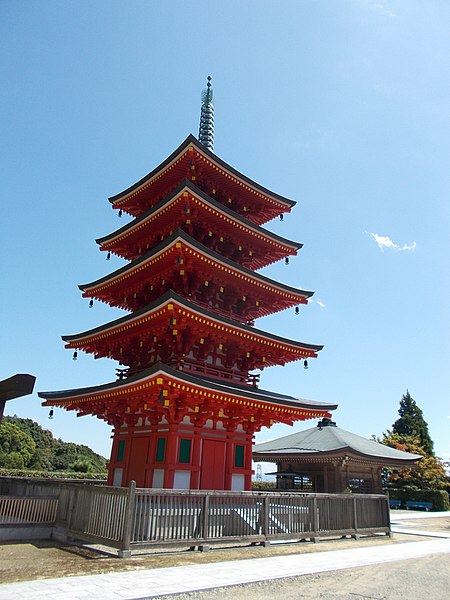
pixel 411 423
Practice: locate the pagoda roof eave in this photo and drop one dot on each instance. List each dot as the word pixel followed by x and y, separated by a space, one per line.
pixel 187 378
pixel 181 235
pixel 192 140
pixel 186 184
pixel 172 296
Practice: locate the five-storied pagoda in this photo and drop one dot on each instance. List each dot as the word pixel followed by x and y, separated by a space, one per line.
pixel 185 405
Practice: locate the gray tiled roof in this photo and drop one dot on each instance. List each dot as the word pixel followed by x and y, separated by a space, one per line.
pixel 329 439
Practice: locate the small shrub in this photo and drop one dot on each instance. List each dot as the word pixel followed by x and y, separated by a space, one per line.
pixel 264 486
pixel 439 498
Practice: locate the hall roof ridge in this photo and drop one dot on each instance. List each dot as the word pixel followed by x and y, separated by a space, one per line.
pixel 319 440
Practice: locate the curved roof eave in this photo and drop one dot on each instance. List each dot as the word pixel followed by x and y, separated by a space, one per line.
pixel 182 235
pixel 173 296
pixel 298 453
pixel 186 183
pixel 192 140
pixel 256 394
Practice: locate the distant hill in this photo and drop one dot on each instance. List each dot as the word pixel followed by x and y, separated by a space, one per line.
pixel 24 444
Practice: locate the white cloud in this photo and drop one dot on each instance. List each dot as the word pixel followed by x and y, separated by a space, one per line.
pixel 384 241
pixel 382 7
pixel 320 303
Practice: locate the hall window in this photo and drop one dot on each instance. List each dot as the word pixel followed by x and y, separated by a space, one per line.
pixel 120 450
pixel 239 456
pixel 160 449
pixel 184 455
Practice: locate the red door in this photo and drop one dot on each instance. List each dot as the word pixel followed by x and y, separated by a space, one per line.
pixel 213 465
pixel 138 461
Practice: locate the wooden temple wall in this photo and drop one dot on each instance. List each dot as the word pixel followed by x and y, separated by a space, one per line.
pixel 331 477
pixel 181 456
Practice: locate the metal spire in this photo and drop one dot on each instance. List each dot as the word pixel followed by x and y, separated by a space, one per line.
pixel 206 130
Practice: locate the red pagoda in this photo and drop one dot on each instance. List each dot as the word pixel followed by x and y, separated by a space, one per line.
pixel 186 403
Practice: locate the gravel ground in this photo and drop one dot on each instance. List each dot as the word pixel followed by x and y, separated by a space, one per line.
pixel 412 580
pixel 427 579
pixel 45 559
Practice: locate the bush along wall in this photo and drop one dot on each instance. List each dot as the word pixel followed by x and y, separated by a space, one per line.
pixel 52 474
pixel 438 498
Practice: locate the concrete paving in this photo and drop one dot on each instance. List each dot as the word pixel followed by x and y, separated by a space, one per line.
pixel 151 583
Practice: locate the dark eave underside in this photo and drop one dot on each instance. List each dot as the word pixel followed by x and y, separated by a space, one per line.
pixel 172 296
pixel 303 457
pixel 188 185
pixel 202 382
pixel 179 233
pixel 191 140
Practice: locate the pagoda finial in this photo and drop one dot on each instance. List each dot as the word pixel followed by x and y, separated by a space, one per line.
pixel 206 130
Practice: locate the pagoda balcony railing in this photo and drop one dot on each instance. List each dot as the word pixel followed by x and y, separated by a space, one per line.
pixel 229 314
pixel 220 373
pixel 200 368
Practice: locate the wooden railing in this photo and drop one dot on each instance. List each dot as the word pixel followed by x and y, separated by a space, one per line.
pixel 203 518
pixel 127 518
pixel 29 511
pixel 98 514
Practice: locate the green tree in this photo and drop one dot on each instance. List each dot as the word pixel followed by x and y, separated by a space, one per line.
pixel 428 474
pixel 411 423
pixel 49 454
pixel 17 448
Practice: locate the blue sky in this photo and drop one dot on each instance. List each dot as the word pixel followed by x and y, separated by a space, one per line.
pixel 342 106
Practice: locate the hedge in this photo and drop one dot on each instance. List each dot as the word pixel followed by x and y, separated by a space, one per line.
pixel 438 498
pixel 51 474
pixel 264 486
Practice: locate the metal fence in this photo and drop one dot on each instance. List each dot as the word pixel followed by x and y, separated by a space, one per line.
pixel 130 518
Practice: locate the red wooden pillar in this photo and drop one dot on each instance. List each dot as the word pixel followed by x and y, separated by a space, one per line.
pixel 248 463
pixel 151 457
pixel 112 459
pixel 196 454
pixel 229 460
pixel 114 463
pixel 171 457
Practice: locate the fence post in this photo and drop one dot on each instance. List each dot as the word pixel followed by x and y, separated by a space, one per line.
pixel 387 514
pixel 125 551
pixel 265 520
pixel 315 521
pixel 205 523
pixel 355 536
pixel 70 509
